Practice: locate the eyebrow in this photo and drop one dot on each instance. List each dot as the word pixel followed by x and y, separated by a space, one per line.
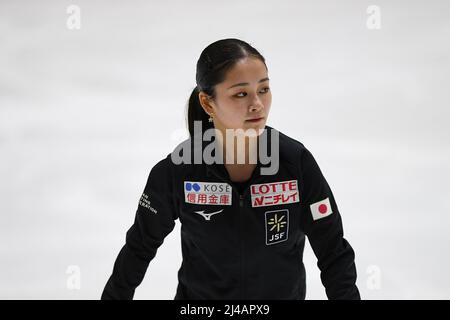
pixel 246 83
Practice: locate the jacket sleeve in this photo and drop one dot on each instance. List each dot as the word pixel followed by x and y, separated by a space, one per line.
pixel 154 220
pixel 322 224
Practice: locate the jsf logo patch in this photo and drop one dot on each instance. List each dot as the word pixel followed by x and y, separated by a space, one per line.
pixel 277 226
pixel 208 193
pixel 274 193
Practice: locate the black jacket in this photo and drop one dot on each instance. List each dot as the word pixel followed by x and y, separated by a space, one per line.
pixel 239 246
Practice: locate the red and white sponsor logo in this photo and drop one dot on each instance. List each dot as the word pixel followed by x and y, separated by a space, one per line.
pixel 207 193
pixel 274 193
pixel 321 209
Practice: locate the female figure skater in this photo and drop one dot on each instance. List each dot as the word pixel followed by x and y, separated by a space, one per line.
pixel 242 228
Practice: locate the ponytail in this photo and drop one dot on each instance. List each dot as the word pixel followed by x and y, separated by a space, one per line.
pixel 196 112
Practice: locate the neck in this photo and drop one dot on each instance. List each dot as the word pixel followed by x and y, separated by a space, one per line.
pixel 238 149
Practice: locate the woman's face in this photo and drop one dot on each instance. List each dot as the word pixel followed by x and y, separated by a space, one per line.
pixel 242 96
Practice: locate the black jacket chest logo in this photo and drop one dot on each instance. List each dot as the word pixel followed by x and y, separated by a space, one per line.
pixel 207 216
pixel 277 226
pixel 207 193
pixel 274 193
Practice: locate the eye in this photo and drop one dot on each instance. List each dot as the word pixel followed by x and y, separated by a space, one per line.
pixel 266 89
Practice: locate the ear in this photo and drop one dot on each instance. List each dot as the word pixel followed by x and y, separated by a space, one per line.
pixel 206 102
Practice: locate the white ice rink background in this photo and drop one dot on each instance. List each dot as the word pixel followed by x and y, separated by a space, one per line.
pixel 85 113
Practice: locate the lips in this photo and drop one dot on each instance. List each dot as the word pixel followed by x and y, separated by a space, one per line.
pixel 255 119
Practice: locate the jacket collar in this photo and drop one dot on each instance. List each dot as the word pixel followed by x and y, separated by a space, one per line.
pixel 219 170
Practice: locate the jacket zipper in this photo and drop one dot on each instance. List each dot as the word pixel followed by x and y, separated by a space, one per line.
pixel 241 205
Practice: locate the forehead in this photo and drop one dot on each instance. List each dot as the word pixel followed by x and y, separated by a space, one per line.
pixel 245 70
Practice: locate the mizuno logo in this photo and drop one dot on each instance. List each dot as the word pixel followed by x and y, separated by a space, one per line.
pixel 207 216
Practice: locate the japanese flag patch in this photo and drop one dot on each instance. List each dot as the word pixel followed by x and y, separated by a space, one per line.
pixel 321 209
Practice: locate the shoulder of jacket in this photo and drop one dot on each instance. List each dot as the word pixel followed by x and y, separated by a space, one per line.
pixel 291 150
pixel 174 161
pixel 161 169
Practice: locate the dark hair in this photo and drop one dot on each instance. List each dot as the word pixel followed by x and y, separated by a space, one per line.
pixel 212 65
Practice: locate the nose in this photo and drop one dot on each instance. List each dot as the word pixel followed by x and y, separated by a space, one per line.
pixel 256 105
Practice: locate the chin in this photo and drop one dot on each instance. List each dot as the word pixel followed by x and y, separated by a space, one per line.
pixel 258 126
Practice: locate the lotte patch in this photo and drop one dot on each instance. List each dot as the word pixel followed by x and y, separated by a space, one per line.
pixel 274 193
